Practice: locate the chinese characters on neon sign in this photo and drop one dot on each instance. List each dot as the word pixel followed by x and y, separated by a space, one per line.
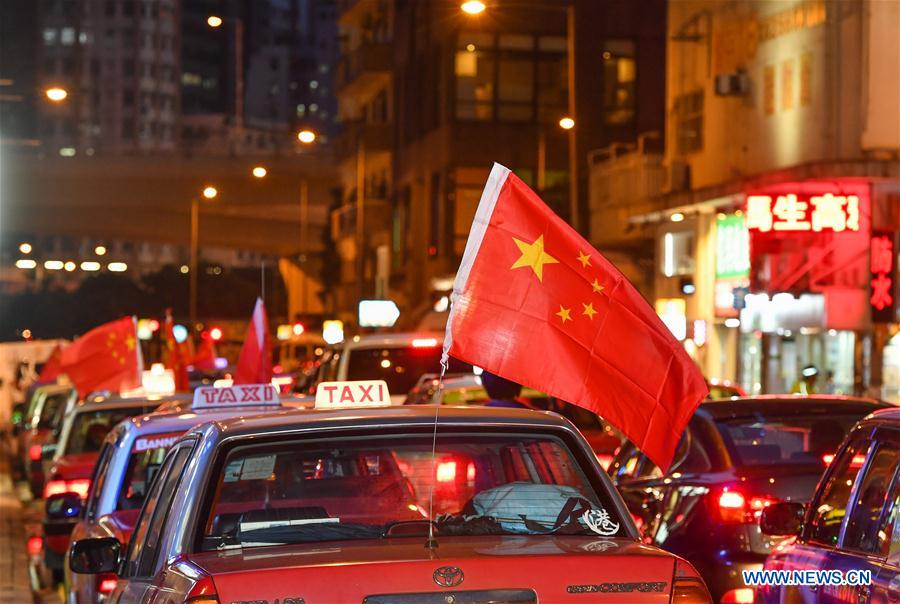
pixel 815 214
pixel 882 253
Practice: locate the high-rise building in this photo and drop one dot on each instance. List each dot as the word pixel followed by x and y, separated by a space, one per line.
pixel 118 63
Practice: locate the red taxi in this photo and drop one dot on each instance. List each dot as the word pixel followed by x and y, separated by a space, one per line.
pixel 83 433
pixel 394 504
pixel 129 460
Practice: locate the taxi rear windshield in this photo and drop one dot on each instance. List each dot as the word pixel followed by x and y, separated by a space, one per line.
pixel 401 368
pixel 379 488
pixel 89 428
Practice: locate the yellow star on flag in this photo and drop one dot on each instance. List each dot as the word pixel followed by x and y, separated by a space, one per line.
pixel 584 259
pixel 129 343
pixel 596 286
pixel 564 313
pixel 533 256
pixel 589 310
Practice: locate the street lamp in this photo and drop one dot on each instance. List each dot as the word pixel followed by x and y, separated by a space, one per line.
pixel 306 136
pixel 259 171
pixel 56 94
pixel 566 123
pixel 215 22
pixel 25 248
pixel 475 7
pixel 209 193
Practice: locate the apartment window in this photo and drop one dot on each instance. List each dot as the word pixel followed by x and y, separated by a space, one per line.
pixel 552 79
pixel 515 87
pixel 67 36
pixel 688 113
pixel 619 81
pixel 475 66
pixel 678 253
pixel 49 36
pixel 787 85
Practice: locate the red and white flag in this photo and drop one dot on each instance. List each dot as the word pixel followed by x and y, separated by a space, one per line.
pixel 535 303
pixel 255 363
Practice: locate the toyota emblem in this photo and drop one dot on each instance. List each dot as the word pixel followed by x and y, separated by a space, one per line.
pixel 448 576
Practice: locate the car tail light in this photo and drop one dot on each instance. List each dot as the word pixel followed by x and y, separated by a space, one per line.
pixel 828 458
pixel 80 486
pixel 687 586
pixel 35 545
pixel 446 471
pixel 106 583
pixel 734 507
pixel 856 462
pixel 604 460
pixel 424 343
pixel 203 592
pixel 742 595
pixel 35 452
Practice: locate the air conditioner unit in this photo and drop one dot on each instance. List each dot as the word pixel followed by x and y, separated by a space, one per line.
pixel 732 84
pixel 678 176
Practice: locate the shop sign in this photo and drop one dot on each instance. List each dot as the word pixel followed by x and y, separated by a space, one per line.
pixel 802 212
pixel 882 272
pixel 732 262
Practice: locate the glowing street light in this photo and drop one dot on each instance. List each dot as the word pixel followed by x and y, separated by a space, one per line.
pixel 25 248
pixel 566 123
pixel 473 7
pixel 259 172
pixel 100 250
pixel 214 21
pixel 306 136
pixel 56 94
pixel 210 192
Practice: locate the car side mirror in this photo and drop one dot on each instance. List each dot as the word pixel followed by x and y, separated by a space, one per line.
pixel 782 518
pixel 48 451
pixel 63 506
pixel 95 556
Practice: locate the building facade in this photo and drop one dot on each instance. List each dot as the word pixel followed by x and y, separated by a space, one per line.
pixel 780 192
pixel 430 97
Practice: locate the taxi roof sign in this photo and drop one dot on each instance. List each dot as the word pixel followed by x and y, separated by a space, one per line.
pixel 212 397
pixel 339 395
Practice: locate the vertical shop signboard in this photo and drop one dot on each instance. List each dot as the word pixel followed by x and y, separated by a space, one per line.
pixel 732 262
pixel 882 275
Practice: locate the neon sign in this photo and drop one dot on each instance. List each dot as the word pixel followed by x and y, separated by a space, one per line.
pixel 799 212
pixel 882 254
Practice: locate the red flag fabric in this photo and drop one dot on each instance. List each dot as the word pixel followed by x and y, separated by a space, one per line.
pixel 51 368
pixel 107 357
pixel 535 303
pixel 205 358
pixel 255 362
pixel 174 356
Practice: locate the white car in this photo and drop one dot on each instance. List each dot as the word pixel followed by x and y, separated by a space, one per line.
pixel 399 359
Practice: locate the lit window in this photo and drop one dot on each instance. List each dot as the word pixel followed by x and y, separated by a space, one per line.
pixel 689 122
pixel 49 36
pixel 67 36
pixel 619 81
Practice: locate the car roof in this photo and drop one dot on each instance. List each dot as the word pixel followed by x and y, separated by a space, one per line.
pixel 121 403
pixel 788 404
pixel 387 417
pixel 185 419
pixel 890 414
pixel 377 340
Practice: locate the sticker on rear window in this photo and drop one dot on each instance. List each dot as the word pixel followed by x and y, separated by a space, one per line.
pixel 233 470
pixel 258 468
pixel 600 522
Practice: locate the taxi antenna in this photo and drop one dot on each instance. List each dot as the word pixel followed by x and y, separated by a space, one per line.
pixel 432 543
pixel 262 280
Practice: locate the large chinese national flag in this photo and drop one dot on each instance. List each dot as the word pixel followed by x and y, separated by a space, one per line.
pixel 51 368
pixel 255 362
pixel 107 357
pixel 533 302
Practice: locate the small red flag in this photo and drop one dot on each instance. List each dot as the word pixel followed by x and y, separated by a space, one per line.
pixel 205 357
pixel 51 369
pixel 535 303
pixel 255 362
pixel 174 356
pixel 107 357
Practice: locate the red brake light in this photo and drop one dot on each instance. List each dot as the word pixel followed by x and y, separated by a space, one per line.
pixel 857 461
pixel 828 458
pixel 446 471
pixel 106 583
pixel 35 452
pixel 734 507
pixel 203 592
pixel 35 545
pixel 54 487
pixel 742 595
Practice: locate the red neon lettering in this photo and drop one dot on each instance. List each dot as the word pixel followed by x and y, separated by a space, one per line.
pixel 227 396
pixel 881 257
pixel 346 395
pixel 250 393
pixel 330 390
pixel 881 292
pixel 366 393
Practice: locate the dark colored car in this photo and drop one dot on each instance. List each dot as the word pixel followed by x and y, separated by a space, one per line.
pixel 852 523
pixel 736 458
